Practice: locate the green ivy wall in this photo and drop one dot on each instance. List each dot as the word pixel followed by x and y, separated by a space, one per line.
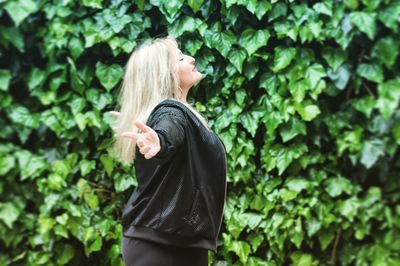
pixel 304 94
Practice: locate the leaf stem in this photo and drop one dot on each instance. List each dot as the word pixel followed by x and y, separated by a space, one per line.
pixel 335 246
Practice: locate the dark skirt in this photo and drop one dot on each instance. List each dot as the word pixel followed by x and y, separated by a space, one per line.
pixel 138 252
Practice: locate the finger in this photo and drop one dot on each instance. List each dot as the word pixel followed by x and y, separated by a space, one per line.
pixel 115 113
pixel 140 143
pixel 142 127
pixel 144 150
pixel 130 135
pixel 149 155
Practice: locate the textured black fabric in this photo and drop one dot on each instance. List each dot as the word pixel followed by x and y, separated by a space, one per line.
pixel 136 252
pixel 181 191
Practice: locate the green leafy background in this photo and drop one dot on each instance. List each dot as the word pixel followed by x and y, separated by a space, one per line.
pixel 304 94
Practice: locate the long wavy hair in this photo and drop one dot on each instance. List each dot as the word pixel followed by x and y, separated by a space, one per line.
pixel 151 76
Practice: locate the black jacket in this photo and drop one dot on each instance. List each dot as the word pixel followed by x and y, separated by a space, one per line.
pixel 181 191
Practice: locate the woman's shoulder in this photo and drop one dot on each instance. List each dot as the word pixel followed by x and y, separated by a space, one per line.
pixel 168 108
pixel 170 105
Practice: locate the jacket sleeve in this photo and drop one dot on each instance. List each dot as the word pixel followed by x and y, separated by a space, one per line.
pixel 170 125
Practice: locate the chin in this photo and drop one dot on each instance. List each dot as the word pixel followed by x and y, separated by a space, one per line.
pixel 199 76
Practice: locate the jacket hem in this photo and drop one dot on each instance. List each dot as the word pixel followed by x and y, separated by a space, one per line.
pixel 146 233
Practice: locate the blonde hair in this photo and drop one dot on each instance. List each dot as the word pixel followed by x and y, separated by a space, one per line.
pixel 151 76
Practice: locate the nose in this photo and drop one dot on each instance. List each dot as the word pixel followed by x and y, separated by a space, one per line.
pixel 191 60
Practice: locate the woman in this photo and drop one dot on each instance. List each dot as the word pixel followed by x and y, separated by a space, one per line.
pixel 175 213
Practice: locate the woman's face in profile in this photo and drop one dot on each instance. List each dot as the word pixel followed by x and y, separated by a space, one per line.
pixel 188 74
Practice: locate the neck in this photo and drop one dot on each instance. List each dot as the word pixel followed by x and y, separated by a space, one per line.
pixel 182 94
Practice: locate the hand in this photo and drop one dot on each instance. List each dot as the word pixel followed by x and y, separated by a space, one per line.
pixel 147 140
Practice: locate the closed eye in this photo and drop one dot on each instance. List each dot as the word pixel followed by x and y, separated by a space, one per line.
pixel 181 57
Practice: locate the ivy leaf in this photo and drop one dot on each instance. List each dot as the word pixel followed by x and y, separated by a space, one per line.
pixel 337 185
pixel 108 163
pixel 92 3
pixel 259 8
pixel 325 237
pixel 250 122
pixel 314 73
pixel 281 157
pixel 252 39
pixel 272 121
pixel 298 89
pixel 116 22
pixel 77 105
pixel 83 187
pixel 9 213
pixel 76 81
pixel 340 77
pixel 386 51
pixel 308 112
pixel 140 4
pixel 6 164
pixel 293 128
pixel 171 9
pixel 324 8
pixel 296 235
pixel 45 224
pixel 60 230
pixel 251 67
pixel 255 240
pixel 192 46
pixel 236 57
pixel 36 78
pixel 301 259
pixel 370 72
pixel 251 220
pixel 283 57
pixel 31 165
pixel 297 184
pixel 389 97
pixel 287 194
pixel 390 15
pixel 109 76
pixel 334 57
pixel 285 29
pixel 313 226
pixel 371 151
pixel 364 105
pixel 279 9
pixel 186 24
pixel 67 252
pixel 91 199
pixel 240 248
pixel 396 131
pixel 365 22
pixel 123 182
pixel 12 35
pixel 95 245
pixel 222 41
pixel 348 208
pixel 5 77
pixel 195 4
pixel 20 9
pixel 87 166
pixel 76 47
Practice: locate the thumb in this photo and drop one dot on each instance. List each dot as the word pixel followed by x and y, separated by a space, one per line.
pixel 142 127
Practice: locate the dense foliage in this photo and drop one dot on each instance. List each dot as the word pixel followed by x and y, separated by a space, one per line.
pixel 304 94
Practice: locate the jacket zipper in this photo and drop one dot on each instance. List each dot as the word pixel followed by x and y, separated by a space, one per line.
pixel 225 190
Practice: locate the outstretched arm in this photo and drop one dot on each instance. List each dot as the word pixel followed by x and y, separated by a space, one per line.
pixel 163 137
pixel 147 140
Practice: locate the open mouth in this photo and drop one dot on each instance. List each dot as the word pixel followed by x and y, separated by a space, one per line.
pixel 194 69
